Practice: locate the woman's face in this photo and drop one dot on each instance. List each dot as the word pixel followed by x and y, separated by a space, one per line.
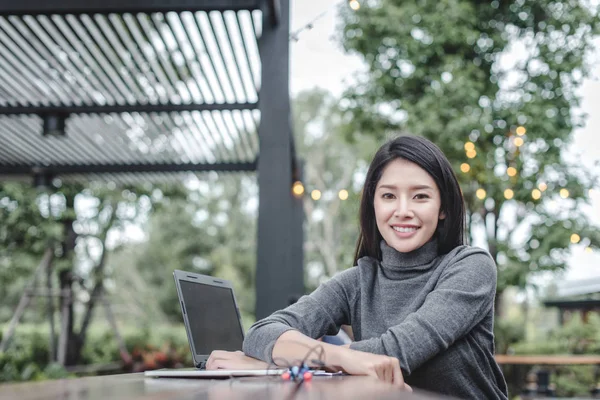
pixel 407 206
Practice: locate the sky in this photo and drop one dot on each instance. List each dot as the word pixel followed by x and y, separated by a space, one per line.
pixel 317 60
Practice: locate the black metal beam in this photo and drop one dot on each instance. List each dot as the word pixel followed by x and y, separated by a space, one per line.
pixel 32 7
pixel 280 263
pixel 274 11
pixel 126 108
pixel 124 168
pixel 574 304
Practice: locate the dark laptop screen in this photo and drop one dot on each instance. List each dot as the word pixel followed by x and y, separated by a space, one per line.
pixel 212 316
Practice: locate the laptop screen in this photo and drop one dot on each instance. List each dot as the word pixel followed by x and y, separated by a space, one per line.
pixel 213 319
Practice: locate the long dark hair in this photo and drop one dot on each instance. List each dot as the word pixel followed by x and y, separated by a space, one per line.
pixel 450 231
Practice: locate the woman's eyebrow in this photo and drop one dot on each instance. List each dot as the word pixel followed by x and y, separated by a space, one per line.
pixel 421 187
pixel 416 187
pixel 387 187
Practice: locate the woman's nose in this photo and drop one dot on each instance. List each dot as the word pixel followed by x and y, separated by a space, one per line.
pixel 403 209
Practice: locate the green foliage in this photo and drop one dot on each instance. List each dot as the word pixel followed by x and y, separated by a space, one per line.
pixel 26 358
pixel 575 337
pixel 74 221
pixel 508 332
pixel 458 71
pixel 333 164
pixel 212 231
pixel 24 234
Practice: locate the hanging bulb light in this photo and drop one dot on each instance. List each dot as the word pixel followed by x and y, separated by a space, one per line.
pixel 298 188
pixel 519 142
pixel 354 4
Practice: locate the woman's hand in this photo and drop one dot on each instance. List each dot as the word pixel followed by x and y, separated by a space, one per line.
pixel 220 359
pixel 382 367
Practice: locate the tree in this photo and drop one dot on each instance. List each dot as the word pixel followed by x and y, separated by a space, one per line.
pixel 494 84
pixel 332 166
pixel 211 231
pixel 34 220
pixel 25 232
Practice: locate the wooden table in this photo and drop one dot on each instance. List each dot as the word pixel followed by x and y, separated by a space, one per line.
pixel 548 359
pixel 137 387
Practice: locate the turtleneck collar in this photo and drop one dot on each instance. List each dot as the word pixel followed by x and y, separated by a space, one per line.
pixel 423 256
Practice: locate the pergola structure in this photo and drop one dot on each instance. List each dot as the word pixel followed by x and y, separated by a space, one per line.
pixel 576 296
pixel 134 91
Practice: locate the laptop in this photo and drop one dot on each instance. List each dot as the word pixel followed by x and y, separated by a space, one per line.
pixel 212 322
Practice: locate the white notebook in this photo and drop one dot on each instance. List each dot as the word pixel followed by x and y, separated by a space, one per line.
pixel 218 373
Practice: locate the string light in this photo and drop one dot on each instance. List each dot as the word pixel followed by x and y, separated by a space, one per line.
pixel 471 153
pixel 509 194
pixel 343 194
pixel 521 130
pixel 295 36
pixel 575 238
pixel 543 186
pixel 511 171
pixel 536 194
pixel 519 142
pixel 464 167
pixel 354 4
pixel 564 193
pixel 469 146
pixel 298 188
pixel 480 193
pixel 588 249
pixel 315 194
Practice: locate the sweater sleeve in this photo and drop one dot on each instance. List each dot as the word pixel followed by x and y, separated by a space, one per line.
pixel 320 313
pixel 462 297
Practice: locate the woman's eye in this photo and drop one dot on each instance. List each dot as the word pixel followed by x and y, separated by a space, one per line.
pixel 387 196
pixel 421 196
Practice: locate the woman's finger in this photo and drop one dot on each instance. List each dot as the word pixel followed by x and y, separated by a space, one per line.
pixel 398 378
pixel 383 372
pixel 209 361
pixel 374 372
pixel 389 372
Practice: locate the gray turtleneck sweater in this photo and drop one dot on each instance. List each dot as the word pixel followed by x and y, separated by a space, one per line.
pixel 433 312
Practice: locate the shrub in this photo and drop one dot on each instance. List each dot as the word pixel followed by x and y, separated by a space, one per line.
pixel 27 356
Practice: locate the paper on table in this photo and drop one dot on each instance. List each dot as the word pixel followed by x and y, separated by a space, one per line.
pixel 320 372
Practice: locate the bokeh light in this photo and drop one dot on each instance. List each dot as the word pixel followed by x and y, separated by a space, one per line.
pixel 298 188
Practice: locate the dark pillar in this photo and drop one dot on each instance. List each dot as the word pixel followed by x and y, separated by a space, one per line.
pixel 279 267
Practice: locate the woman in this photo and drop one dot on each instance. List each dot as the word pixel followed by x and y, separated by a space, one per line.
pixel 420 301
